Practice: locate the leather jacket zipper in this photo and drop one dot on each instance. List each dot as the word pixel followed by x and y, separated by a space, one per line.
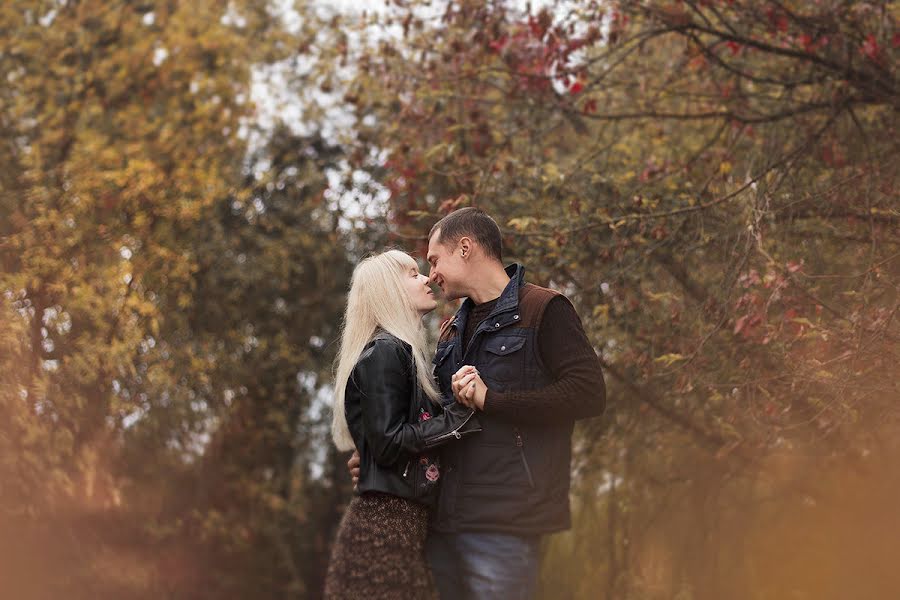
pixel 406 468
pixel 521 445
pixel 455 433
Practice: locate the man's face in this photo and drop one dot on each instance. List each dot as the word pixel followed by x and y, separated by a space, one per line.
pixel 448 269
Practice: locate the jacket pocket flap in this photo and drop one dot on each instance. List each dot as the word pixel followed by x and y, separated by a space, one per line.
pixel 504 345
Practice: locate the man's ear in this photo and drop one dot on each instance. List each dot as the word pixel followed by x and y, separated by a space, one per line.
pixel 465 246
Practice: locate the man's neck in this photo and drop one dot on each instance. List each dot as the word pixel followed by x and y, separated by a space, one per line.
pixel 490 284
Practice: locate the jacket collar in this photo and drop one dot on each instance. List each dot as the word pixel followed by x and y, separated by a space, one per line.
pixel 508 300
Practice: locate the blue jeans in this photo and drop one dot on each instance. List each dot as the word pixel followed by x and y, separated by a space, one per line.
pixel 476 566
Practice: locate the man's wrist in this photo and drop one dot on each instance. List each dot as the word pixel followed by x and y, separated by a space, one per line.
pixel 490 397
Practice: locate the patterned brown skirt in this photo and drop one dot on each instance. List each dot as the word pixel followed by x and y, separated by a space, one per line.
pixel 379 551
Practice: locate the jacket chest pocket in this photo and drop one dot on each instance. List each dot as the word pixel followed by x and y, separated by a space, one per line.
pixel 504 358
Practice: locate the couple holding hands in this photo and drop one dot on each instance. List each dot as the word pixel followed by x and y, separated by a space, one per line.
pixel 461 462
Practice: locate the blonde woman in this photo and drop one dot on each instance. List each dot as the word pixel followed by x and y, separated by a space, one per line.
pixel 386 406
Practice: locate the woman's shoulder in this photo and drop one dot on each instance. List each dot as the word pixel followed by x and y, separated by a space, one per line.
pixel 384 346
pixel 388 340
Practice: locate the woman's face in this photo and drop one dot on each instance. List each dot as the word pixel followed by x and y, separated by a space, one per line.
pixel 419 291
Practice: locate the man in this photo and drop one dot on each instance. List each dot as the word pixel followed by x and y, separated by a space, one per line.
pixel 518 353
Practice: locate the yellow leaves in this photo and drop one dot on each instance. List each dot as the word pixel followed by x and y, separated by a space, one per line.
pixel 602 214
pixel 190 209
pixel 803 321
pixel 882 211
pixel 725 168
pixel 521 223
pixel 184 300
pixel 447 149
pixel 669 359
pixel 139 220
pixel 143 307
pixel 434 150
pixel 551 172
pixel 661 296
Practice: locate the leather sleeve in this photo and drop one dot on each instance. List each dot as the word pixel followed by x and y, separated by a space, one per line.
pixel 384 379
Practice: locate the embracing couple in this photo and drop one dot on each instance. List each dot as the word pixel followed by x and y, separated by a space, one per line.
pixel 461 462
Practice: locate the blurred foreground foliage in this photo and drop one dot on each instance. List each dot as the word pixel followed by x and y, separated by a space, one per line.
pixel 712 183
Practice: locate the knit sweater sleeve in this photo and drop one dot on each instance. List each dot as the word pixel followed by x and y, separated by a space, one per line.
pixel 578 390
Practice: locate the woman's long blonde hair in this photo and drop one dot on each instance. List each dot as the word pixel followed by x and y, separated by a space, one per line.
pixel 377 298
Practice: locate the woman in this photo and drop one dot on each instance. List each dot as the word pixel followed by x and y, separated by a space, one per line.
pixel 386 406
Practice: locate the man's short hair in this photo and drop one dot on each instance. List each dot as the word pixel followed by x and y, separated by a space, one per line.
pixel 474 223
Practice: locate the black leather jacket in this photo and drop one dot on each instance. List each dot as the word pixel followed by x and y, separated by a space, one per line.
pixel 395 426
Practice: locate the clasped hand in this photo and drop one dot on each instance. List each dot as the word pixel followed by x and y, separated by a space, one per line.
pixel 468 387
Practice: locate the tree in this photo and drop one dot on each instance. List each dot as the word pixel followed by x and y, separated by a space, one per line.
pixel 170 293
pixel 712 183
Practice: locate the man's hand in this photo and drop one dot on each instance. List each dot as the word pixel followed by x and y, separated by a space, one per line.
pixel 468 387
pixel 353 467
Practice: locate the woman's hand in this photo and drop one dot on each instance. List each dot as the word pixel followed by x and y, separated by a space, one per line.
pixel 353 467
pixel 468 387
pixel 456 382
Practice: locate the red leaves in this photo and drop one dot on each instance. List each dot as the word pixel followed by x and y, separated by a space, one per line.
pixel 747 325
pixel 782 23
pixel 811 44
pixel 750 278
pixel 733 46
pixel 832 155
pixel 541 55
pixel 619 20
pixel 451 204
pixel 617 26
pixel 697 63
pixel 870 49
pixel 540 24
pixel 806 41
pixel 674 15
pixel 498 44
pixel 777 19
pixel 766 297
